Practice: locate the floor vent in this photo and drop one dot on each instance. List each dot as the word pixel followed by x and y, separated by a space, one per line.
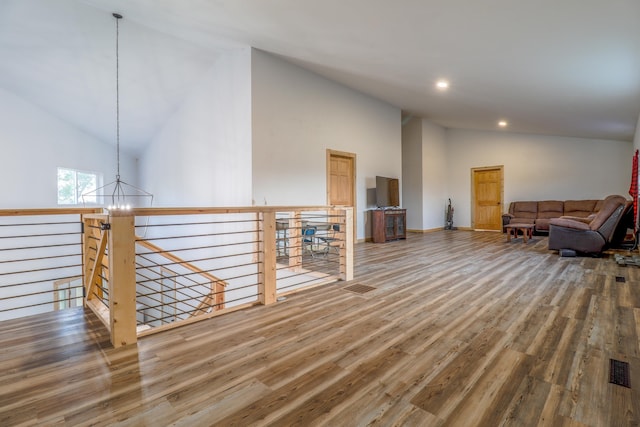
pixel 619 373
pixel 360 289
pixel 620 279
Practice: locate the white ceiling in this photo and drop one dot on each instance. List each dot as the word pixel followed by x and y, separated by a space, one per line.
pixel 556 67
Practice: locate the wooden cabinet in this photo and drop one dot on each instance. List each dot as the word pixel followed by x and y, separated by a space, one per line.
pixel 389 224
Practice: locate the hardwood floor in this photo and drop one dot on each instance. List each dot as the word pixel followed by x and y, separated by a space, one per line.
pixel 462 329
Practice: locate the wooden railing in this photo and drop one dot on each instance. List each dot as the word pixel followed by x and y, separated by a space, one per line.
pixel 147 270
pixel 214 260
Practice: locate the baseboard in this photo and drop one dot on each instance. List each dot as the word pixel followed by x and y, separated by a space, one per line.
pixel 429 230
pixel 433 230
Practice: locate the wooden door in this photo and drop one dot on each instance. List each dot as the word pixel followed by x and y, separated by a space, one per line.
pixel 341 175
pixel 487 185
pixel 341 181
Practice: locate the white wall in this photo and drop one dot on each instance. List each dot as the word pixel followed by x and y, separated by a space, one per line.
pixel 202 155
pixel 536 167
pixel 297 116
pixel 435 164
pixel 35 144
pixel 424 173
pixel 412 171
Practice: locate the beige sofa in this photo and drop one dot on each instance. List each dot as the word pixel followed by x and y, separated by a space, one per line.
pixel 541 213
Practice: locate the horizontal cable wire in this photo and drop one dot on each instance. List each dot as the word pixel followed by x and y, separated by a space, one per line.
pixel 55 279
pixel 199 223
pixel 41 269
pixel 41 247
pixel 181 263
pixel 39 258
pixel 188 236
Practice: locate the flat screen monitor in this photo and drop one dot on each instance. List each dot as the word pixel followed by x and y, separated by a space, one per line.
pixel 387 192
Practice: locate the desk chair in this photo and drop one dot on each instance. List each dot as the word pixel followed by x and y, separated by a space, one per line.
pixel 330 240
pixel 308 239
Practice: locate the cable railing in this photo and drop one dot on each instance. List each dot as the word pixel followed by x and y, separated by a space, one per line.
pixel 146 270
pixel 41 265
pixel 197 264
pixel 170 288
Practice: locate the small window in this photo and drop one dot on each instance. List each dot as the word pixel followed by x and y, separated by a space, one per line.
pixel 67 293
pixel 72 184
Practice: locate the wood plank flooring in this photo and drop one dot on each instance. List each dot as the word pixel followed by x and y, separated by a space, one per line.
pixel 462 329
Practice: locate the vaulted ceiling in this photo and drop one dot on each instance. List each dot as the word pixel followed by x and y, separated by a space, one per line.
pixel 567 68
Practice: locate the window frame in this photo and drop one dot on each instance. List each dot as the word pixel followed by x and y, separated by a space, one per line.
pixel 77 197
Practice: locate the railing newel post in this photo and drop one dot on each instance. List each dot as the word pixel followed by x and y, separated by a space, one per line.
pixel 346 249
pixel 295 240
pixel 122 278
pixel 267 259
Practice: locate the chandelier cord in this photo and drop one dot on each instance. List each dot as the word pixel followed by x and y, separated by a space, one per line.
pixel 122 192
pixel 118 17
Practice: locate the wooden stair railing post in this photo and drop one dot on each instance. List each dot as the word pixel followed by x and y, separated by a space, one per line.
pixel 122 278
pixel 93 246
pixel 267 259
pixel 346 249
pixel 295 241
pixel 86 262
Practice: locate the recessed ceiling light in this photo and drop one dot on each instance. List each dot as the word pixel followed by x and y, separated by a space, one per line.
pixel 503 123
pixel 442 84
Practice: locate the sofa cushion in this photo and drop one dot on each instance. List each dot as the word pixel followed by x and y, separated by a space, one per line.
pixel 524 210
pixel 569 223
pixel 517 220
pixel 581 208
pixel 550 209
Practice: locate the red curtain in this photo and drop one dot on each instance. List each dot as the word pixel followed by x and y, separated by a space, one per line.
pixel 633 190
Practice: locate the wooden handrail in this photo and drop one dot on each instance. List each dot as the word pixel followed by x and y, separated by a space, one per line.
pixel 239 209
pixel 203 307
pixel 48 211
pixel 217 285
pixel 168 255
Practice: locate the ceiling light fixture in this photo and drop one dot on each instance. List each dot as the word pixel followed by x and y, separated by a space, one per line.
pixel 442 84
pixel 503 123
pixel 123 195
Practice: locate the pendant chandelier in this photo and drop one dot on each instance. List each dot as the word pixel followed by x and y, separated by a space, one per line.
pixel 118 195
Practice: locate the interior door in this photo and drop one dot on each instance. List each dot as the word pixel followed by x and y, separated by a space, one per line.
pixel 487 198
pixel 341 178
pixel 341 181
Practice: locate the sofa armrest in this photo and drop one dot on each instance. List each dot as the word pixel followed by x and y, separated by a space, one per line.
pixel 506 219
pixel 569 223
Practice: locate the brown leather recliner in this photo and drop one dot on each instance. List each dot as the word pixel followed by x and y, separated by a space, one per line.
pixel 588 238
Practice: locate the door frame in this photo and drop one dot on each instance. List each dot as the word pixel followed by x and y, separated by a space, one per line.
pixel 352 156
pixel 473 192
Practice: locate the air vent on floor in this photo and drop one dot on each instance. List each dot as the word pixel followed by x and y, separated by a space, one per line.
pixel 620 279
pixel 360 289
pixel 619 373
